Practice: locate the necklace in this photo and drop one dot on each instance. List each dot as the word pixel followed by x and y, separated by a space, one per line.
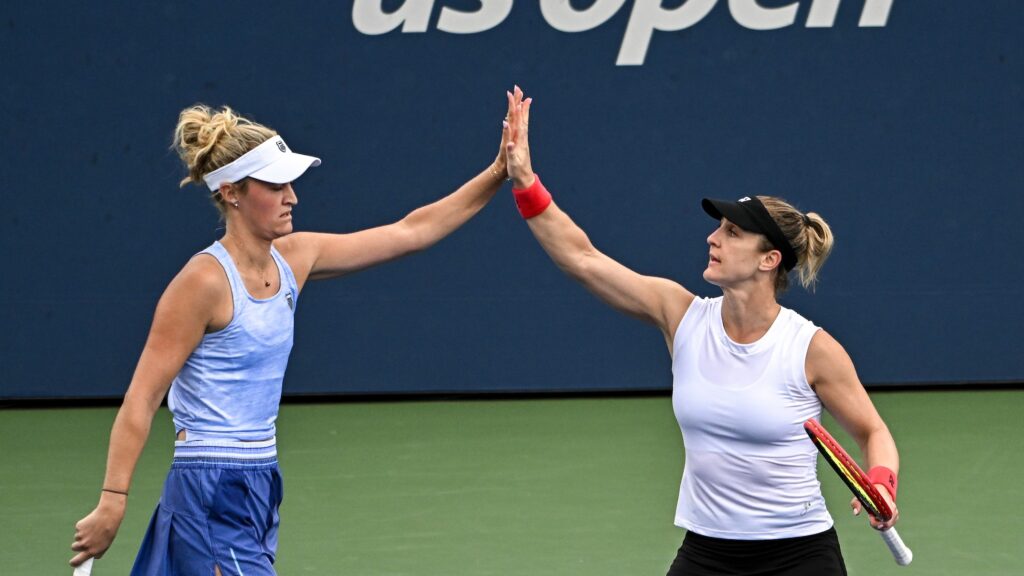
pixel 263 275
pixel 262 271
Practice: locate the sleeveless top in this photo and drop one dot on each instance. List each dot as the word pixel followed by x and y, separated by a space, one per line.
pixel 750 471
pixel 230 386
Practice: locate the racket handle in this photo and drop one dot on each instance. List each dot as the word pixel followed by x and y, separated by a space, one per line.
pixel 84 569
pixel 900 552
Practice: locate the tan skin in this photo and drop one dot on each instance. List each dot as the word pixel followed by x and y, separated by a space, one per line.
pixel 745 273
pixel 198 301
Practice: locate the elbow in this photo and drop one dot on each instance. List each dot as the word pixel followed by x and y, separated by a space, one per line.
pixel 135 417
pixel 141 403
pixel 578 265
pixel 136 413
pixel 411 237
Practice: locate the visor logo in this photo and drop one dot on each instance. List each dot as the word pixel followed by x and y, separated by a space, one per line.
pixel 281 146
pixel 744 199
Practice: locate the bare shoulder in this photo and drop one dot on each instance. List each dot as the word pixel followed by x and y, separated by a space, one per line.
pixel 834 379
pixel 824 344
pixel 294 243
pixel 675 301
pixel 201 283
pixel 300 250
pixel 827 360
pixel 202 272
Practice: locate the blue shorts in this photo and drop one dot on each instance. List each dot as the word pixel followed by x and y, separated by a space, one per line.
pixel 219 508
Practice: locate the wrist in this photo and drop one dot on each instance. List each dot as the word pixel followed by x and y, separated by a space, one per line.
pixel 499 170
pixel 524 182
pixel 532 198
pixel 885 477
pixel 113 503
pixel 113 496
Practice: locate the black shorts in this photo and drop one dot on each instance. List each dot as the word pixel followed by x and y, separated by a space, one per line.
pixel 815 555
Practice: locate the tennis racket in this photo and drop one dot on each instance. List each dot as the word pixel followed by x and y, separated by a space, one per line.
pixel 84 569
pixel 859 484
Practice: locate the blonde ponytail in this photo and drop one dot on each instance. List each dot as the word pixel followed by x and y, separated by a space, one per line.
pixel 818 243
pixel 808 234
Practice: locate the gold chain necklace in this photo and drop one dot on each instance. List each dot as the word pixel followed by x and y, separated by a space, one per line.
pixel 263 274
pixel 261 271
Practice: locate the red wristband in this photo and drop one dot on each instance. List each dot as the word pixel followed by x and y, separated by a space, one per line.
pixel 533 200
pixel 885 477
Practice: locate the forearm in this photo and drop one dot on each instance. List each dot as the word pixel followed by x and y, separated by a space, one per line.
pixel 565 243
pixel 127 439
pixel 643 297
pixel 883 465
pixel 879 449
pixel 429 224
pixel 95 533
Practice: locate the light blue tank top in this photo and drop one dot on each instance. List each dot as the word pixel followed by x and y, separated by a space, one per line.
pixel 230 386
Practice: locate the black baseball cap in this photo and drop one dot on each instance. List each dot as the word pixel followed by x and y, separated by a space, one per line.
pixel 750 214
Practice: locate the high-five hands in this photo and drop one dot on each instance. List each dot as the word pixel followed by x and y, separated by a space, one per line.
pixel 515 134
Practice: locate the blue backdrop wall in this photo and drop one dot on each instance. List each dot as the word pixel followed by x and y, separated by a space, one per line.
pixel 898 120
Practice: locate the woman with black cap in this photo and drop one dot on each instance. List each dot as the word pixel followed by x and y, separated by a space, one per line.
pixel 747 373
pixel 219 346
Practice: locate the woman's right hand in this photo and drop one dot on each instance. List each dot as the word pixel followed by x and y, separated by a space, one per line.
pixel 516 134
pixel 95 533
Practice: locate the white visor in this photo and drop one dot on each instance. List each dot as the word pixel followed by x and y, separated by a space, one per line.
pixel 271 161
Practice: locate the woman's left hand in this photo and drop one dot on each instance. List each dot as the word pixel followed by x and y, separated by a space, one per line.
pixel 875 522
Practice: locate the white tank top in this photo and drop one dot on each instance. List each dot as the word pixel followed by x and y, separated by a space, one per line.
pixel 750 470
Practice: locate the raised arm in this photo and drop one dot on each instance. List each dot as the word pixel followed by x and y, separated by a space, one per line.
pixel 186 309
pixel 831 373
pixel 656 300
pixel 318 255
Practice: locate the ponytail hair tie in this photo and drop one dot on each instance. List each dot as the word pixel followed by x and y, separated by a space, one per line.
pixel 807 219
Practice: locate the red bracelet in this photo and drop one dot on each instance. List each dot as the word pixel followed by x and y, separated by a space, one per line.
pixel 885 477
pixel 533 200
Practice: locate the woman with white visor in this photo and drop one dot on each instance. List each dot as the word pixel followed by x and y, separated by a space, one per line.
pixel 220 342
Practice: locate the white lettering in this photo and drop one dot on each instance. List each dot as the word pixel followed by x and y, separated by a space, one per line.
pixel 490 14
pixel 822 14
pixel 563 17
pixel 750 14
pixel 648 16
pixel 370 19
pixel 875 14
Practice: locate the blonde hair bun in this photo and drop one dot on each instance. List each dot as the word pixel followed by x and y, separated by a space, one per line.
pixel 207 139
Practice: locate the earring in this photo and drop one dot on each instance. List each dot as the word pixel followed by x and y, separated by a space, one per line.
pixel 236 204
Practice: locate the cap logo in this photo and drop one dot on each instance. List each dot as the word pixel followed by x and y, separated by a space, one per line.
pixel 281 146
pixel 744 199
